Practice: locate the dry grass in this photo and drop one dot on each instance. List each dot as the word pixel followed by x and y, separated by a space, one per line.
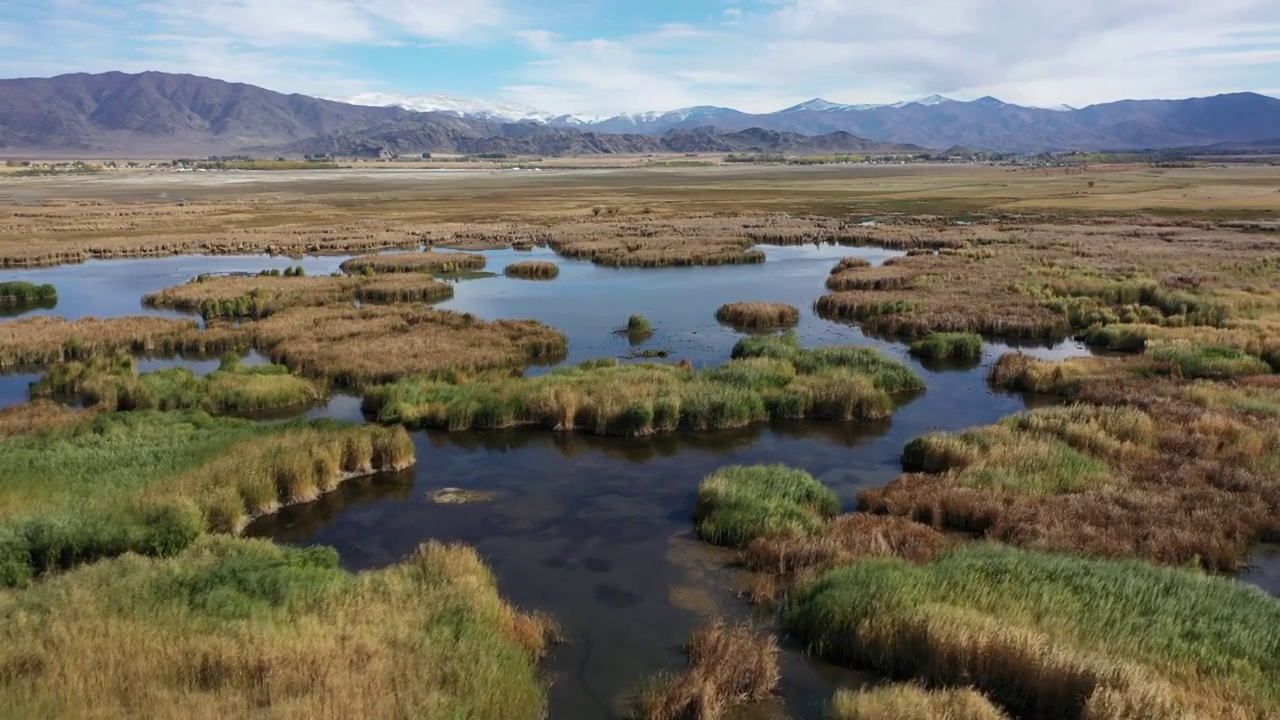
pixel 367 345
pixel 1053 636
pixel 260 296
pixel 1165 469
pixel 729 665
pixel 39 416
pixel 758 315
pixel 427 262
pixel 243 628
pixel 913 702
pixel 532 270
pixel 844 540
pixel 1046 278
pixel 48 340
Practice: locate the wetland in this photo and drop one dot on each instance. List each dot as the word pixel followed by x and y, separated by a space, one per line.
pixel 809 420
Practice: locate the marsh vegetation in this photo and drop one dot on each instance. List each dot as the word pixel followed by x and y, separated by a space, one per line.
pixel 532 270
pixel 757 316
pixel 774 378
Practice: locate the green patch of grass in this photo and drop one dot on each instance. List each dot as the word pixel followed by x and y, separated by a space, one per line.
pixel 885 374
pixel 641 399
pixel 639 324
pixel 946 346
pixel 740 503
pixel 1052 636
pixel 152 482
pixel 115 384
pixel 1206 361
pixel 233 627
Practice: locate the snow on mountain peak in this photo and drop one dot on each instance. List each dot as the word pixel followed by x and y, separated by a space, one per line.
pixel 510 112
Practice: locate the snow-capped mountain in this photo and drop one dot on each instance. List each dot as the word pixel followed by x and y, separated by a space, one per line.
pixel 462 107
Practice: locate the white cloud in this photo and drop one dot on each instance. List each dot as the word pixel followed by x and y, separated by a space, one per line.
pixel 1043 53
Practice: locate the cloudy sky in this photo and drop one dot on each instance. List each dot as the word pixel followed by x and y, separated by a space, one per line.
pixel 613 56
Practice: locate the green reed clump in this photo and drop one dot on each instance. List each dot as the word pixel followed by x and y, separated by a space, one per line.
pixel 151 482
pixel 885 374
pixel 738 504
pixel 639 325
pixel 1120 336
pixel 1190 360
pixel 949 346
pixel 642 399
pixel 912 702
pixel 230 624
pixel 1052 636
pixel 115 384
pixel 19 293
pixel 532 270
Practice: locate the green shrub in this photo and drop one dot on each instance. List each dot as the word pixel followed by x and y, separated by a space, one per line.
pixel 949 346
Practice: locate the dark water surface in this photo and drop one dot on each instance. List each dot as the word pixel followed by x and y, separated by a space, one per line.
pixel 594 531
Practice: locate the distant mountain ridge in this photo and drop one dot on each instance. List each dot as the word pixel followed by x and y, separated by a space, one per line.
pixel 164 114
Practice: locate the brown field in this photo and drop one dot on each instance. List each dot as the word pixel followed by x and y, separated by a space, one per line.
pixel 69 219
pixel 376 344
pixel 258 297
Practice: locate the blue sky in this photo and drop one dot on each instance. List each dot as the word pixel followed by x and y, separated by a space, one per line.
pixel 622 56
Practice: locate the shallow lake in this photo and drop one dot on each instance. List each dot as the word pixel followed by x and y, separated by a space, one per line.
pixel 594 531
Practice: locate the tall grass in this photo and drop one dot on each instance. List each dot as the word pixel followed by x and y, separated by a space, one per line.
pixel 1170 471
pixel 738 504
pixel 372 344
pixel 21 293
pixel 638 324
pixel 114 384
pixel 642 399
pixel 949 346
pixel 1205 361
pixel 48 340
pixel 841 541
pixel 428 262
pixel 912 702
pixel 244 628
pixel 152 482
pixel 885 374
pixel 758 316
pixel 260 296
pixel 38 416
pixel 729 665
pixel 532 270
pixel 1052 636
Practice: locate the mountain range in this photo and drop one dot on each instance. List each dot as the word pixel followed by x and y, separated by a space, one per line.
pixel 160 114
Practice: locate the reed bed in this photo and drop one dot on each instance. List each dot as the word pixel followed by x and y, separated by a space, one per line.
pixel 22 294
pixel 49 340
pixel 949 346
pixel 888 375
pixel 115 384
pixel 912 702
pixel 729 665
pixel 758 315
pixel 425 262
pixel 532 270
pixel 261 296
pixel 233 627
pixel 1169 470
pixel 363 346
pixel 1042 280
pixel 1052 636
pixel 153 483
pixel 841 541
pixel 607 398
pixel 39 416
pixel 738 504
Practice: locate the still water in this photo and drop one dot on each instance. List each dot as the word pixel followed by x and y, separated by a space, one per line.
pixel 594 531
